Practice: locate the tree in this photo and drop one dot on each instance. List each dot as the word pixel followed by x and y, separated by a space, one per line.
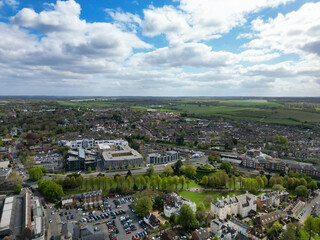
pixel 182 181
pixel 265 180
pixel 35 173
pixel 168 170
pixel 260 182
pixel 190 171
pixel 17 189
pixel 210 158
pixel 29 162
pixel 290 232
pixel 91 182
pixel 150 171
pixel 226 166
pixel 14 178
pixel 164 184
pixel 187 218
pixel 302 191
pixel 158 181
pixel 143 205
pixel 274 231
pixel 177 167
pixel 50 189
pixel 205 180
pixel 312 185
pixel 79 180
pixel 188 182
pixel 207 201
pixel 201 213
pixel 176 181
pixel 309 225
pixel 278 187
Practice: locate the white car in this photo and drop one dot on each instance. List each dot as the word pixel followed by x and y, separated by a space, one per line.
pixel 50 220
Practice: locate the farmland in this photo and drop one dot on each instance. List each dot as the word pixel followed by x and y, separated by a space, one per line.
pixel 284 111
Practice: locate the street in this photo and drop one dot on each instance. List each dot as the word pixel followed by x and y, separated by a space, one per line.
pixel 308 208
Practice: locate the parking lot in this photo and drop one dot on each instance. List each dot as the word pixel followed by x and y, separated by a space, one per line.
pixel 116 218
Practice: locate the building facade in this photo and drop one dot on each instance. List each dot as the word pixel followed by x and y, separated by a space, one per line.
pixel 163 158
pixel 237 205
pixel 173 203
pixel 81 160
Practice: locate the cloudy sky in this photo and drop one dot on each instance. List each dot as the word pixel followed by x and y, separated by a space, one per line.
pixel 160 48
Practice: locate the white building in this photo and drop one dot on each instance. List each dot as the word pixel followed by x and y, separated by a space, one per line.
pixel 173 203
pixel 88 143
pixel 236 205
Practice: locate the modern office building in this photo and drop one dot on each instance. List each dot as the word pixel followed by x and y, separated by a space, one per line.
pixel 119 156
pixel 163 158
pixel 81 160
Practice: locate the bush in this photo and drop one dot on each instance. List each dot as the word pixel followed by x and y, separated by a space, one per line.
pixel 17 189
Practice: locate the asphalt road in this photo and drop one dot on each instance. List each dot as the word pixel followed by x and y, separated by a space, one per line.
pixel 308 208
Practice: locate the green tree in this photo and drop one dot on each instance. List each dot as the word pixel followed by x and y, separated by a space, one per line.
pixel 290 232
pixel 182 181
pixel 168 170
pixel 188 181
pixel 176 181
pixel 265 180
pixel 274 232
pixel 278 187
pixel 226 166
pixel 210 158
pixel 302 191
pixel 201 213
pixel 312 185
pixel 190 171
pixel 187 218
pixel 164 184
pixel 205 180
pixel 158 181
pixel 143 205
pixel 35 173
pixel 150 171
pixel 50 189
pixel 309 225
pixel 17 189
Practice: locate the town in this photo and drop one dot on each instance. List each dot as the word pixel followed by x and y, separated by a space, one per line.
pixel 73 172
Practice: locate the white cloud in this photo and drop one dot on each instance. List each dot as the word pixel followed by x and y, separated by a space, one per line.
pixel 201 20
pixel 296 32
pixel 184 54
pixel 253 55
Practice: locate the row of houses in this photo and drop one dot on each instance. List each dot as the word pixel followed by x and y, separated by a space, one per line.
pixel 85 200
pixel 265 162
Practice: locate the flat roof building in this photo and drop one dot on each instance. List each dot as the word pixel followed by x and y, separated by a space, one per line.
pixel 121 157
pixel 163 158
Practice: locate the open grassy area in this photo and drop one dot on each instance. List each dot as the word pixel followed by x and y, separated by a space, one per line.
pixel 249 102
pixel 301 116
pixel 199 197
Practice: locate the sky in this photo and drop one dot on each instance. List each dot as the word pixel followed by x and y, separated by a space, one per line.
pixel 160 48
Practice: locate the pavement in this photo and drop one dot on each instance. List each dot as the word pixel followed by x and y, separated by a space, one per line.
pixel 308 208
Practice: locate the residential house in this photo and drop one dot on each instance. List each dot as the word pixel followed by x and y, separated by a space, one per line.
pixel 151 220
pixel 272 199
pixel 269 218
pixel 173 203
pixel 201 234
pixel 237 205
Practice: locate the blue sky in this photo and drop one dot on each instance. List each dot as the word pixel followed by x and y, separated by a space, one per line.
pixel 160 48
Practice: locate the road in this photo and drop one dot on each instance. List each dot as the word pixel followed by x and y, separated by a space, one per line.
pixel 308 208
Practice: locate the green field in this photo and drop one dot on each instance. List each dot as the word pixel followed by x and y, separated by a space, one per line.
pixel 301 116
pixel 199 197
pixel 249 103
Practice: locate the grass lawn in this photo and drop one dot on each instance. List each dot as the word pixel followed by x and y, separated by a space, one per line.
pixel 250 102
pixel 199 197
